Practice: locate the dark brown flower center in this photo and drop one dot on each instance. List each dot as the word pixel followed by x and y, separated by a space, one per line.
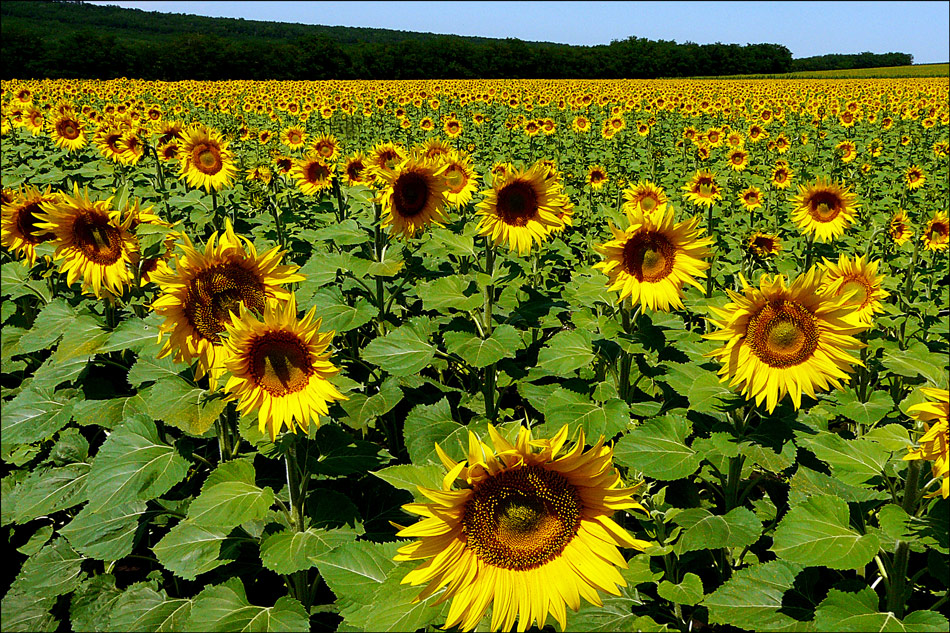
pixel 410 194
pixel 317 173
pixel 26 221
pixel 520 519
pixel 825 206
pixel 649 256
pixel 97 238
pixel 783 333
pixel 207 159
pixel 214 293
pixel 517 203
pixel 280 363
pixel 68 129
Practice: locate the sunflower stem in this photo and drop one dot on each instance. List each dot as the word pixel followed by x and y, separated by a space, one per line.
pixel 296 488
pixel 214 209
pixel 488 385
pixel 897 588
pixel 808 252
pixel 712 260
pixel 378 239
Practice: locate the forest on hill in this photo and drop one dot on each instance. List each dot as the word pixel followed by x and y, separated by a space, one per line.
pixel 80 40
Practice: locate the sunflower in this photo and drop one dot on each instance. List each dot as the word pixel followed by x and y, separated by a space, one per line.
pixel 435 148
pixel 413 196
pixel 764 245
pixel 785 340
pixel 107 141
pixel 653 258
pixel 859 281
pixel 846 151
pixel 313 174
pixel 34 120
pixel 20 217
pixel 199 296
pixel 261 173
pixel 531 127
pixel 92 239
pixel 824 209
pixel 293 137
pixel 782 176
pixel 326 146
pixel 934 445
pixel 596 177
pixel 751 198
pixel 383 158
pixel 427 124
pixel 914 177
pixel 522 207
pixel 581 124
pixel 937 233
pixel 264 137
pixel 205 159
pixel 899 228
pixel 354 170
pixel 702 189
pixel 738 159
pixel 461 179
pixel 280 366
pixel 133 149
pixel 67 132
pixel 528 530
pixel 644 197
pixel 452 127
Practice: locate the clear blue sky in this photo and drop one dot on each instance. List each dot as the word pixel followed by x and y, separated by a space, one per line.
pixel 806 28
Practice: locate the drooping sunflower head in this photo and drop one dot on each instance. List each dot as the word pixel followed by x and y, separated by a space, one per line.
pixel 764 244
pixel 92 239
pixel 859 281
pixel 354 170
pixel 293 137
pixel 702 189
pixel 527 530
pixel 914 177
pixel 522 208
pixel 205 160
pixel 67 132
pixel 936 235
pixel 107 140
pixel 653 258
pixel 934 444
pixel 313 174
pixel 824 209
pixel 203 290
pixel 899 229
pixel 460 177
pixel 596 177
pixel 782 340
pixel 280 367
pixel 326 146
pixel 21 216
pixel 751 198
pixel 644 197
pixel 413 196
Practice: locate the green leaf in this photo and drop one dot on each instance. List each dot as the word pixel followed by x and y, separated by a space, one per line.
pixel 453 292
pixel 617 612
pixel 475 351
pixel 132 334
pixel 752 597
pixel 354 571
pixel 704 530
pixel 867 413
pixel 287 552
pixel 108 413
pixel 189 550
pixel 142 608
pixel 657 449
pixel 149 368
pixel 858 612
pixel 50 490
pixel 55 570
pixel 27 612
pixel 688 592
pixel 336 314
pixel 425 425
pixel 53 372
pixel 84 336
pixel 133 465
pixel 917 360
pixel 70 447
pixel 853 461
pixel 16 282
pixel 107 534
pixel 35 414
pixel 225 607
pixel 91 604
pixel 229 504
pixel 401 352
pixel 184 406
pixel 816 532
pixel 410 477
pixel 568 407
pixel 49 325
pixel 39 538
pixel 392 607
pixel 807 482
pixel 566 351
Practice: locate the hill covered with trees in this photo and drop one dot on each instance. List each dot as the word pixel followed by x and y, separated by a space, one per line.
pixel 75 39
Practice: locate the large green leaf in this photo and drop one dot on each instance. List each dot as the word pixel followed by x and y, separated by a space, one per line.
pixel 50 490
pixel 867 413
pixel 49 325
pixel 107 534
pixel 425 425
pixel 657 449
pixel 392 607
pixel 858 612
pixel 449 293
pixel 27 613
pixel 189 550
pixel 689 591
pixel 35 414
pixel 133 465
pixel 225 607
pixel 853 461
pixel 566 351
pixel 91 604
pixel 354 571
pixel 54 570
pixel 577 410
pixel 411 477
pixel 705 530
pixel 229 504
pixel 752 597
pixel 143 608
pixel 288 551
pixel 183 405
pixel 401 352
pixel 816 532
pixel 336 314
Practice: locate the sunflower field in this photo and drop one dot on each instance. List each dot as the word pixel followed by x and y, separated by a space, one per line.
pixel 475 355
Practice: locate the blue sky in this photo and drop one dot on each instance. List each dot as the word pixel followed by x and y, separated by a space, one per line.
pixel 806 28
